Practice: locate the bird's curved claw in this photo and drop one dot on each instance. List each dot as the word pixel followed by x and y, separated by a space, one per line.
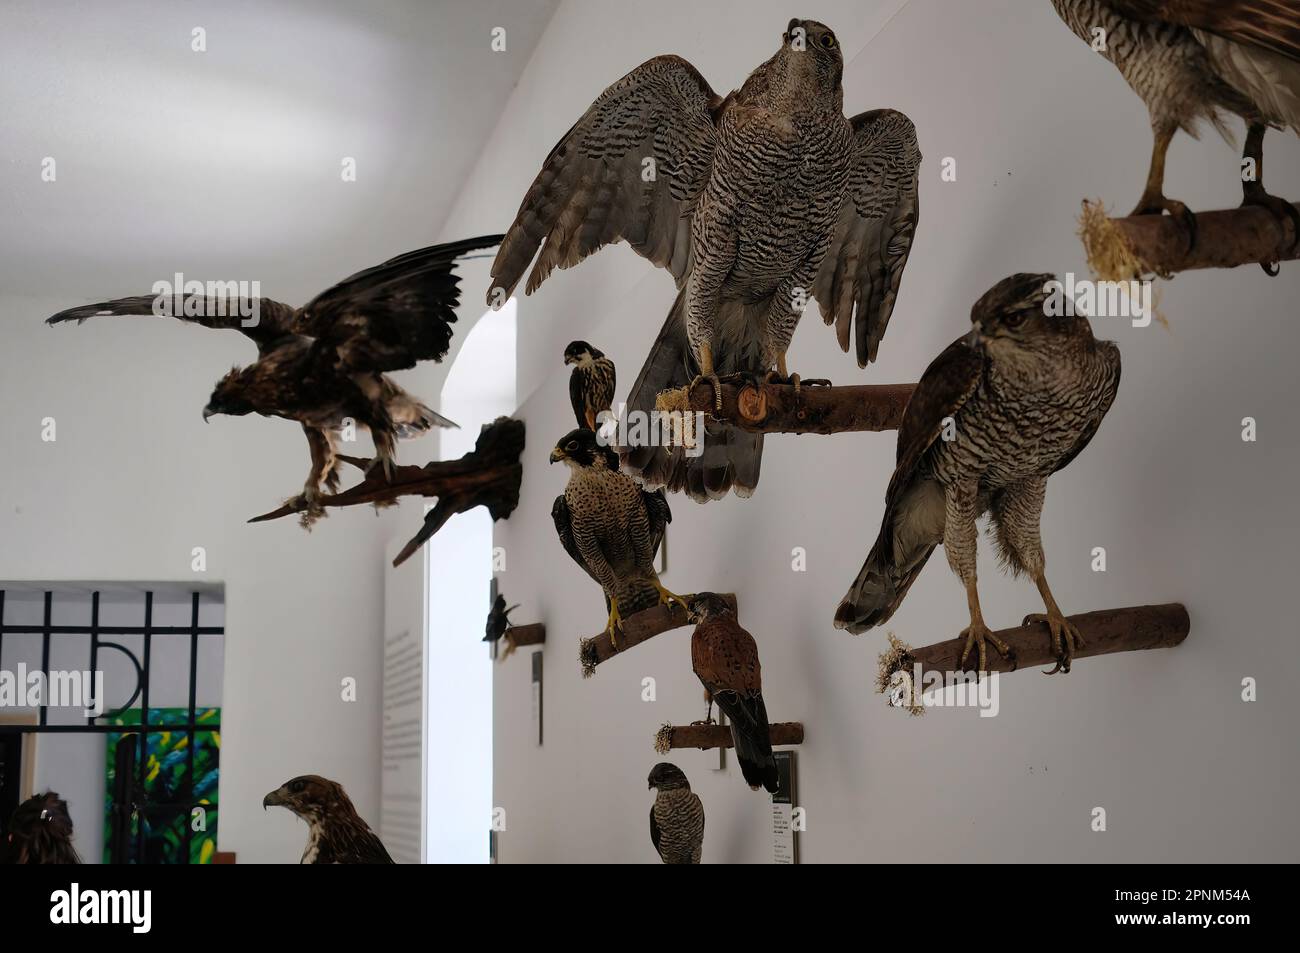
pixel 717 388
pixel 1066 638
pixel 1284 212
pixel 667 597
pixel 977 634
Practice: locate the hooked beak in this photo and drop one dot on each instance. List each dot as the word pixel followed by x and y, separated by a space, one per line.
pixel 274 799
pixel 557 455
pixel 974 339
pixel 207 412
pixel 570 359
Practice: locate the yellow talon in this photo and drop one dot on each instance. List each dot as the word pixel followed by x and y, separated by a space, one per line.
pixel 615 622
pixel 667 596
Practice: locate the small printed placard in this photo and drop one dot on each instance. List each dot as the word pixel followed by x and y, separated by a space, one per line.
pixel 537 694
pixel 785 848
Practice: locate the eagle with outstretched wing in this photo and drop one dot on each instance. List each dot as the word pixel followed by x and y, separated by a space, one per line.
pixel 325 364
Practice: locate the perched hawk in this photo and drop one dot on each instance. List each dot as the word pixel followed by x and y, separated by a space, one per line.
pixel 995 415
pixel 336 834
pixel 591 383
pixel 677 817
pixel 326 362
pixel 725 658
pixel 610 526
pixel 755 202
pixel 1191 59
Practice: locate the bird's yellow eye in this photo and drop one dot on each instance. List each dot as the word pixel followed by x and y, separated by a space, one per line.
pixel 573 445
pixel 828 41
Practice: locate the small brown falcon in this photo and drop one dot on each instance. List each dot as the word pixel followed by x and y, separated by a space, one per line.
pixel 725 659
pixel 1195 59
pixel 992 418
pixel 336 834
pixel 326 363
pixel 610 526
pixel 677 816
pixel 591 384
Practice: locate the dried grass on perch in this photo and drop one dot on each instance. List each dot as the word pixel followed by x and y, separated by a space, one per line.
pixel 719 736
pixel 489 475
pixel 1132 248
pixel 811 407
pixel 1105 632
pixel 636 628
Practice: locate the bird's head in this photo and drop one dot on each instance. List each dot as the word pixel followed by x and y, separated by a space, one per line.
pixel 229 397
pixel 581 449
pixel 811 52
pixel 668 777
pixel 707 605
pixel 1013 317
pixel 580 352
pixel 309 796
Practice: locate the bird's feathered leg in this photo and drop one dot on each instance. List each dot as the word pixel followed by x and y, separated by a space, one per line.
pixel 381 432
pixel 708 715
pixel 788 303
pixel 960 543
pixel 703 299
pixel 1153 200
pixel 1253 193
pixel 324 469
pixel 667 597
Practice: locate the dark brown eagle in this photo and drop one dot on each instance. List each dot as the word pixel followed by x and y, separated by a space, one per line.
pixel 336 834
pixel 325 364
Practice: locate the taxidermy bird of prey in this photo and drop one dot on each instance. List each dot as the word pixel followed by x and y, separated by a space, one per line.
pixel 326 362
pixel 995 415
pixel 611 526
pixel 1194 59
pixel 591 383
pixel 756 202
pixel 677 817
pixel 336 834
pixel 725 658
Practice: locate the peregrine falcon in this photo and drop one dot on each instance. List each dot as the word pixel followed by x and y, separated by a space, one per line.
pixel 756 202
pixel 995 415
pixel 326 363
pixel 591 383
pixel 725 659
pixel 677 817
pixel 336 834
pixel 1189 59
pixel 610 526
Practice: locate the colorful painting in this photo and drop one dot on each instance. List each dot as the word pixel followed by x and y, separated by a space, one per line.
pixel 167 815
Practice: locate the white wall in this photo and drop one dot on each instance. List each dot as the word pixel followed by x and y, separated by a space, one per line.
pixel 1185 509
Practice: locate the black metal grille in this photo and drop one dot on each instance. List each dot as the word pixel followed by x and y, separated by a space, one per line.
pixel 93 724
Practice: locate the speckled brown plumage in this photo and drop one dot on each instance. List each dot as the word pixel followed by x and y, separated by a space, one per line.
pixel 676 817
pixel 724 657
pixel 591 383
pixel 336 834
pixel 1193 60
pixel 609 525
pixel 995 415
pixel 756 203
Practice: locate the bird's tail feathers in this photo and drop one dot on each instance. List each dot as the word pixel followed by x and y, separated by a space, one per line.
pixel 751 736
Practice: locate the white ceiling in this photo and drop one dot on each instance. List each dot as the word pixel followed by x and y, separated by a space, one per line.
pixel 226 164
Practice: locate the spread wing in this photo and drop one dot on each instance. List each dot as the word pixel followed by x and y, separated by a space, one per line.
pixel 1086 437
pixel 1271 24
pixel 942 390
pixel 860 276
pixel 261 320
pixel 600 186
pixel 388 317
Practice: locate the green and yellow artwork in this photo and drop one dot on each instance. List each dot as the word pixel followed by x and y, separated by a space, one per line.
pixel 167 813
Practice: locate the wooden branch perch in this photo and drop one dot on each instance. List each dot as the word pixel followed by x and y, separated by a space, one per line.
pixel 1106 631
pixel 636 628
pixel 532 634
pixel 775 408
pixel 1224 239
pixel 719 736
pixel 489 475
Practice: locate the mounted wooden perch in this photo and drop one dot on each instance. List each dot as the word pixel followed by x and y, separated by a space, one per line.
pixel 489 475
pixel 521 636
pixel 637 627
pixel 1106 631
pixel 1124 249
pixel 813 408
pixel 719 736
